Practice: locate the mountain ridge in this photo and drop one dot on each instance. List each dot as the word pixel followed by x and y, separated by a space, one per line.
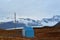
pixel 23 22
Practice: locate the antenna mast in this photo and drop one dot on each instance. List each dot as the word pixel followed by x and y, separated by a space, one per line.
pixel 15 21
pixel 15 17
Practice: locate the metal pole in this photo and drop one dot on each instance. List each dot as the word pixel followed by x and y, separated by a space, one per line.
pixel 15 17
pixel 15 21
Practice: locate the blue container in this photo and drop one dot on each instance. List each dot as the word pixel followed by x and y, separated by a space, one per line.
pixel 28 32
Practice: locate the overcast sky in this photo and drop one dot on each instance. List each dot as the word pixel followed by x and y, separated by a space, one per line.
pixel 37 9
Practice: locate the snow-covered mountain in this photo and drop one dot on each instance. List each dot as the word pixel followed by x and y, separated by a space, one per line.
pixel 23 22
pixel 50 21
pixel 29 21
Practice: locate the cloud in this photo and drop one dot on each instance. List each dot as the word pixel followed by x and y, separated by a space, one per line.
pixel 30 8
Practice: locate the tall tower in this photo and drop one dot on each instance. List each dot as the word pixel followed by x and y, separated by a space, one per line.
pixel 15 22
pixel 15 17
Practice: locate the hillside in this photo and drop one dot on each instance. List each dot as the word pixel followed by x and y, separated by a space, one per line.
pixel 44 33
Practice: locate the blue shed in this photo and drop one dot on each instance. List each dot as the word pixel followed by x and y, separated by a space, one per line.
pixel 28 32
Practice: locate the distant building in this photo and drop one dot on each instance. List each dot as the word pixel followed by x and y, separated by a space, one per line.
pixel 28 32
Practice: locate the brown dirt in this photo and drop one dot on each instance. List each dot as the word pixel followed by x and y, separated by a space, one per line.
pixel 40 34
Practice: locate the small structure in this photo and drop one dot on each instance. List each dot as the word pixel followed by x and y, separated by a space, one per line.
pixel 28 32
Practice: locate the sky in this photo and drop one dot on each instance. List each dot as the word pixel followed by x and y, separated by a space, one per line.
pixel 36 9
